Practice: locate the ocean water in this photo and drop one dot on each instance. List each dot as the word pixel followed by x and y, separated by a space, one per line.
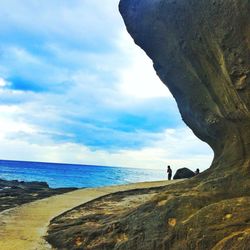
pixel 72 175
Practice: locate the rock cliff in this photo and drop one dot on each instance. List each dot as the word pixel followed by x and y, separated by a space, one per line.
pixel 200 50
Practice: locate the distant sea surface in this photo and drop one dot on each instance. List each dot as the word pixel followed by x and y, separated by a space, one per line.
pixel 72 175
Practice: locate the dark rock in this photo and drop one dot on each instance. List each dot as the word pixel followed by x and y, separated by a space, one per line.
pixel 14 193
pixel 183 173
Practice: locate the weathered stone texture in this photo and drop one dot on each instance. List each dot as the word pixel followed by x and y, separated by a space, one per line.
pixel 200 50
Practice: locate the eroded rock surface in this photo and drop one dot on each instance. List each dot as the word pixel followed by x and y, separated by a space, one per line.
pixel 200 50
pixel 78 228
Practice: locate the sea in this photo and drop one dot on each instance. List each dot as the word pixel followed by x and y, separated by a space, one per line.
pixel 72 175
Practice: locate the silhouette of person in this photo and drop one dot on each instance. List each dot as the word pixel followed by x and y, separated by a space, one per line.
pixel 169 173
pixel 197 171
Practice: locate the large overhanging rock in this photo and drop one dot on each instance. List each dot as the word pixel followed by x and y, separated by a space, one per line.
pixel 200 50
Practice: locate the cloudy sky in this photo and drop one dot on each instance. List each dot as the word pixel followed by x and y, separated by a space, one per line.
pixel 75 88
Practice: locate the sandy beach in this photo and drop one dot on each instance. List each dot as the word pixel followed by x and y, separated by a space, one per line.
pixel 24 227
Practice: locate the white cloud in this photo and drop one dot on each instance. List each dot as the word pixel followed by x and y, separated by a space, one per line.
pixel 76 20
pixel 138 79
pixel 175 147
pixel 8 126
pixel 3 83
pixel 83 46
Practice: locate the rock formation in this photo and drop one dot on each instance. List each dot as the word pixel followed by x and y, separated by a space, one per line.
pixel 183 173
pixel 14 193
pixel 200 50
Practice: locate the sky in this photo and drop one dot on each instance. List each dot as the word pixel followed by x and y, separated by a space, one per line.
pixel 74 88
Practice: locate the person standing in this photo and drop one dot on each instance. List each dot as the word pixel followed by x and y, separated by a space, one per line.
pixel 197 171
pixel 169 173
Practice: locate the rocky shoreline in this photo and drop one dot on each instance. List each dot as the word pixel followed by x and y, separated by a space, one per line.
pixel 97 224
pixel 14 193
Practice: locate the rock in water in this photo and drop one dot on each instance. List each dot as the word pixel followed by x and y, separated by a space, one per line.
pixel 200 50
pixel 183 173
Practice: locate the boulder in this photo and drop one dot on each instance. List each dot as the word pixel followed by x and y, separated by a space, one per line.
pixel 183 173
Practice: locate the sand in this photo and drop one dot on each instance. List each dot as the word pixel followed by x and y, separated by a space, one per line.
pixel 23 227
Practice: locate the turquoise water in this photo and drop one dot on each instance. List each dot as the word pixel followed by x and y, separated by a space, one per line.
pixel 71 175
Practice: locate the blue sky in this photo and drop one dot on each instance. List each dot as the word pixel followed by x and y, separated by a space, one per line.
pixel 75 88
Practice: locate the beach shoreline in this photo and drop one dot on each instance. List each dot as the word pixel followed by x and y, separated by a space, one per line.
pixel 25 226
pixel 15 193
